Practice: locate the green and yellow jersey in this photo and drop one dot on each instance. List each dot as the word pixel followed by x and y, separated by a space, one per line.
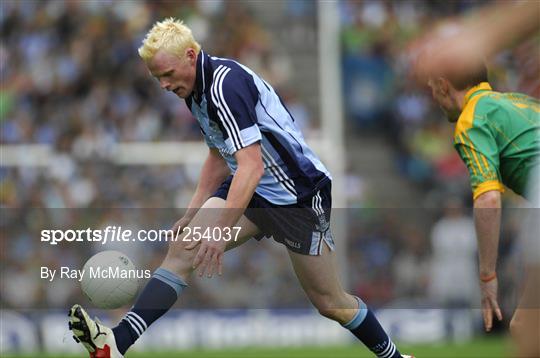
pixel 498 137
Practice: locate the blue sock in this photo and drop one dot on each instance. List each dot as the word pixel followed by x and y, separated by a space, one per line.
pixel 157 297
pixel 368 330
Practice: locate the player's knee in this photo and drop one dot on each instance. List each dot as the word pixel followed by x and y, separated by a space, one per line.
pixel 179 259
pixel 514 326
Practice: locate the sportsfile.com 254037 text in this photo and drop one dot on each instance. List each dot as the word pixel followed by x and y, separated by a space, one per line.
pixel 118 234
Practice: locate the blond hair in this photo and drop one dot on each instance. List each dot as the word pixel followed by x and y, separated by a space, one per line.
pixel 170 35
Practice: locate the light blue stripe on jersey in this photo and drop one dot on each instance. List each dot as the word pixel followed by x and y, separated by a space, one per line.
pixel 272 167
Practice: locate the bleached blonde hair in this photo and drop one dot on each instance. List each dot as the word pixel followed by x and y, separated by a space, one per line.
pixel 170 35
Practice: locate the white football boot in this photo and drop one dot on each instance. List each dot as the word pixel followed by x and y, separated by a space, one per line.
pixel 95 337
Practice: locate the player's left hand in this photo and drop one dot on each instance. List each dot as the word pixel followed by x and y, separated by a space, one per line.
pixel 209 259
pixel 489 303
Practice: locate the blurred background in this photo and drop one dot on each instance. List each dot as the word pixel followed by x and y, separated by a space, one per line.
pixel 88 138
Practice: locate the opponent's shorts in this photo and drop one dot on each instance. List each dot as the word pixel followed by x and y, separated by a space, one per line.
pixel 301 227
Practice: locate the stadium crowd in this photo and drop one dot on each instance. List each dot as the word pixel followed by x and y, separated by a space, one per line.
pixel 71 79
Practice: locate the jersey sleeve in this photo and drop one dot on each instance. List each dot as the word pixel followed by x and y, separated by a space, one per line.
pixel 235 97
pixel 478 149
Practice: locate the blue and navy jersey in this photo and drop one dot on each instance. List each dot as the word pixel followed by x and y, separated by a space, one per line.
pixel 236 108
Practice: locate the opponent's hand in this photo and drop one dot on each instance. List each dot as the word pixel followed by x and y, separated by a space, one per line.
pixel 210 257
pixel 489 303
pixel 450 51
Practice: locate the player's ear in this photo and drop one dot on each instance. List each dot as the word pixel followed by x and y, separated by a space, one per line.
pixel 443 85
pixel 191 55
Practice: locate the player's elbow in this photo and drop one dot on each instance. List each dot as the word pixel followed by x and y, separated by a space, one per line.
pixel 258 170
pixel 252 168
pixel 489 199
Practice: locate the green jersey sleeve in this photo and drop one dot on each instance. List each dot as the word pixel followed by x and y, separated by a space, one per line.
pixel 478 148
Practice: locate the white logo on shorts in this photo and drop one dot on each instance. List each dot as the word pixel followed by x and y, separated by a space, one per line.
pixel 296 245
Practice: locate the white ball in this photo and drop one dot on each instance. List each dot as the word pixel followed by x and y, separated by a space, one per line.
pixel 110 280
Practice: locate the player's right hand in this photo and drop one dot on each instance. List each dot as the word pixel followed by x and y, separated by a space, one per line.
pixel 489 303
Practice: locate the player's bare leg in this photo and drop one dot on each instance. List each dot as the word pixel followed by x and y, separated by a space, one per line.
pixel 157 297
pixel 320 280
pixel 180 260
pixel 525 324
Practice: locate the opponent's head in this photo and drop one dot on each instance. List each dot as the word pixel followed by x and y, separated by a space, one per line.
pixel 170 53
pixel 449 91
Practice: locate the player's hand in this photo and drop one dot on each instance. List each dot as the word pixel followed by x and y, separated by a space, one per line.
pixel 178 226
pixel 489 303
pixel 209 259
pixel 450 50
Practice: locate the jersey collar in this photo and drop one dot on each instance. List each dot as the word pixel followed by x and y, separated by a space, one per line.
pixel 483 86
pixel 202 76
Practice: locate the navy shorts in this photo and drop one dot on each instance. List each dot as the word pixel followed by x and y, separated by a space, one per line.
pixel 301 227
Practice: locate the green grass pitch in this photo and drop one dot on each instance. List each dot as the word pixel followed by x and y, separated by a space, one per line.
pixel 489 348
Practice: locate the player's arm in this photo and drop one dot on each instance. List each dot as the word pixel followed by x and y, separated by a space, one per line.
pixel 213 173
pixel 461 46
pixel 245 181
pixel 487 219
pixel 479 151
pixel 236 109
pixel 246 178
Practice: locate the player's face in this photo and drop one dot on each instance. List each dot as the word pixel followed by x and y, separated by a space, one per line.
pixel 441 93
pixel 173 73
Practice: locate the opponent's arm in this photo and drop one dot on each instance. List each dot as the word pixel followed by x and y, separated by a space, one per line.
pixel 213 173
pixel 460 46
pixel 478 149
pixel 487 219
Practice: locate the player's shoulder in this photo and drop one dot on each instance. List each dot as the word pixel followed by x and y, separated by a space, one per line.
pixel 488 102
pixel 231 77
pixel 473 113
pixel 519 100
pixel 227 66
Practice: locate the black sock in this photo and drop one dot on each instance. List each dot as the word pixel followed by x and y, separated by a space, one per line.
pixel 368 330
pixel 155 300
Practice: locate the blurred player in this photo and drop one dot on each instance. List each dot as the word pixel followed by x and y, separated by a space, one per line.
pixel 456 51
pixel 259 175
pixel 497 135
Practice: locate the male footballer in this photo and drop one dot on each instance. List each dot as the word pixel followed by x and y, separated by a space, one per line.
pixel 497 135
pixel 259 175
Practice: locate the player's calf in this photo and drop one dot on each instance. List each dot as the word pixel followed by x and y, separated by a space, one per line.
pixel 179 259
pixel 158 296
pixel 357 318
pixel 337 307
